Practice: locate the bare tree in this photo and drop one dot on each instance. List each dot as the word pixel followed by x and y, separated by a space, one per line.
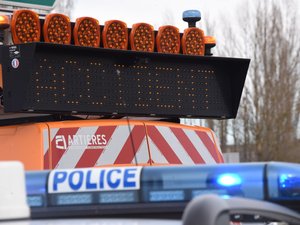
pixel 270 106
pixel 268 118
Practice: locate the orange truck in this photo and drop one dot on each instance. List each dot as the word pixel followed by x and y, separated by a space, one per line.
pixel 49 92
pixel 89 143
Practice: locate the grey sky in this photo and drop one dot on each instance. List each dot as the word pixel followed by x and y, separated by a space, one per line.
pixel 155 12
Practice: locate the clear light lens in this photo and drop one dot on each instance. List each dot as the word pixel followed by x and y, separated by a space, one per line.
pixel 117 197
pixel 166 196
pixel 74 199
pixel 35 201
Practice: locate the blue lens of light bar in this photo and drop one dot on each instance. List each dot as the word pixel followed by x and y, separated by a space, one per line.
pixel 283 181
pixel 118 197
pixel 36 183
pixel 229 179
pixel 74 199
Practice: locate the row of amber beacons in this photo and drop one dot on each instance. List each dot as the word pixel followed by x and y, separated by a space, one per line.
pixel 26 27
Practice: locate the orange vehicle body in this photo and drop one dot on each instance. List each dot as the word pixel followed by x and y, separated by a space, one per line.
pixel 90 143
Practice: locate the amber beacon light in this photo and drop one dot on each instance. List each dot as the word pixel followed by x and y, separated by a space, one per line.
pixel 57 29
pixel 25 27
pixel 193 37
pixel 115 35
pixel 142 37
pixel 87 32
pixel 210 42
pixel 168 39
pixel 4 22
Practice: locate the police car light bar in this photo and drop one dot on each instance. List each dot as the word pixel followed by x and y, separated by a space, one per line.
pixel 138 190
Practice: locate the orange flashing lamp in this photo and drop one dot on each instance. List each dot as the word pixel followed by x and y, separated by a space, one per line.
pixel 4 22
pixel 25 26
pixel 57 29
pixel 193 41
pixel 142 37
pixel 210 40
pixel 87 32
pixel 168 39
pixel 115 35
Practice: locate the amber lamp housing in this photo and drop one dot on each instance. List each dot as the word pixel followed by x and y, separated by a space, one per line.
pixel 25 26
pixel 57 29
pixel 115 35
pixel 87 32
pixel 142 37
pixel 193 41
pixel 4 22
pixel 210 42
pixel 168 39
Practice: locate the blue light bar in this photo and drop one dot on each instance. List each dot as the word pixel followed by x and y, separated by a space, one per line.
pixel 134 185
pixel 227 179
pixel 284 181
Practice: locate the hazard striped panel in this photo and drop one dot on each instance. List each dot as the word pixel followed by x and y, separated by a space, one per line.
pixel 178 145
pixel 90 146
pixel 129 143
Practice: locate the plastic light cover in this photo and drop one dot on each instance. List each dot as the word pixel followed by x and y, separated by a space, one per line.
pixel 193 41
pixel 210 40
pixel 57 29
pixel 4 22
pixel 229 180
pixel 191 14
pixel 142 37
pixel 118 197
pixel 25 27
pixel 74 199
pixel 87 32
pixel 168 39
pixel 184 183
pixel 115 35
pixel 36 188
pixel 283 181
pixel 166 196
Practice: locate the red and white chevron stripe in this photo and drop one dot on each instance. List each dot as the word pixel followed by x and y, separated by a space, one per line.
pixel 129 144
